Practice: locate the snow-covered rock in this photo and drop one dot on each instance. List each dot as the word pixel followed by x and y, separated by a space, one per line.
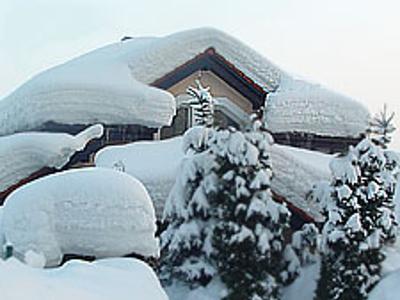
pixel 94 211
pixel 111 85
pixel 157 163
pixel 119 279
pixel 22 154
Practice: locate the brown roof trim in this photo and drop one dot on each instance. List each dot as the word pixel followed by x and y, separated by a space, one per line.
pixel 301 213
pixel 211 60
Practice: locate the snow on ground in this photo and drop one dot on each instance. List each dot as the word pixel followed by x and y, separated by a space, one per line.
pixel 156 164
pixel 93 211
pixel 213 291
pixel 22 154
pixel 304 286
pixel 388 288
pixel 118 279
pixel 111 85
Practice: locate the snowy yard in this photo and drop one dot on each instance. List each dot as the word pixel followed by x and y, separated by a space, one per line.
pixel 119 279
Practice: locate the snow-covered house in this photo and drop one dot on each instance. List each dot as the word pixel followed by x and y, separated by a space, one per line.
pixel 136 87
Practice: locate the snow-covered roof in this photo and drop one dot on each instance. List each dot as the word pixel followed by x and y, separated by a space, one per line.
pixel 23 154
pixel 111 85
pixel 91 212
pixel 302 106
pixel 157 164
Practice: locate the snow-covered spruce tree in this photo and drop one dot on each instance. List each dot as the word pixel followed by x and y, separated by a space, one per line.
pixel 202 104
pixel 382 127
pixel 186 243
pixel 343 272
pixel 250 252
pixel 186 246
pixel 359 219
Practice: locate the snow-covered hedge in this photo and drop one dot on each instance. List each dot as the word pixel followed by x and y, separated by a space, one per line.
pixel 93 211
pixel 119 279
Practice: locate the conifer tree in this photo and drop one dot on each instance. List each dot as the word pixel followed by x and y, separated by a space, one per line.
pixel 249 249
pixel 381 127
pixel 186 243
pixel 359 219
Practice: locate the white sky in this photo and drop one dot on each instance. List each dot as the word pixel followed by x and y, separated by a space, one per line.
pixel 352 46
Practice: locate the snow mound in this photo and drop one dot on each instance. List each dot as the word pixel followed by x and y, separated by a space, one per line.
pixel 157 164
pixel 120 279
pixel 93 211
pixel 22 154
pixel 302 106
pixel 388 288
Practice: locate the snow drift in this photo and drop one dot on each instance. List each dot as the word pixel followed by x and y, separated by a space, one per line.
pixel 94 211
pixel 111 85
pixel 22 154
pixel 157 163
pixel 120 279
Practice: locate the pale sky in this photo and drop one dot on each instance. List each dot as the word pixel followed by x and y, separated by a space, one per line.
pixel 352 46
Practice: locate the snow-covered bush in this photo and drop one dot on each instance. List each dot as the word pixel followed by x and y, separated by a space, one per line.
pixel 93 211
pixel 359 210
pixel 305 242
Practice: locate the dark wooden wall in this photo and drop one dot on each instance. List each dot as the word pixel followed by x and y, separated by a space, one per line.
pixel 315 142
pixel 113 135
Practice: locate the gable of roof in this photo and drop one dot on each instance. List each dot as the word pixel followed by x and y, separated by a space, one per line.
pixel 211 60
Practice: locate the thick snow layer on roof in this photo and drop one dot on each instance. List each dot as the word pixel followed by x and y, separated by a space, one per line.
pixel 93 211
pixel 22 154
pixel 302 106
pixel 97 87
pixel 157 164
pixel 120 279
pixel 110 85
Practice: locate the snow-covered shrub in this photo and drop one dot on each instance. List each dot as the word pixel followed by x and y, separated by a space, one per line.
pixel 359 210
pixel 91 212
pixel 305 242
